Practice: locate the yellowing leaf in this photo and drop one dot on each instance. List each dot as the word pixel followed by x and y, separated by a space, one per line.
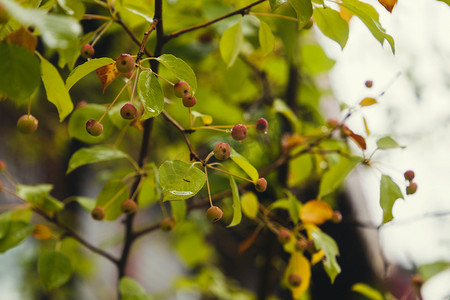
pixel 368 101
pixel 316 212
pixel 345 14
pixel 317 257
pixel 42 232
pixel 388 4
pixel 207 119
pixel 366 126
pixel 24 38
pixel 359 140
pixel 249 203
pixel 298 264
pixel 107 75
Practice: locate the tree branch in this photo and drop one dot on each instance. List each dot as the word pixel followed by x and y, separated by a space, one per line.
pixel 119 21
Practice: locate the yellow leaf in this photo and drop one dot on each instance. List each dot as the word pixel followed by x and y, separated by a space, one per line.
pixel 316 212
pixel 24 38
pixel 107 75
pixel 317 257
pixel 42 232
pixel 298 264
pixel 368 101
pixel 366 127
pixel 345 14
pixel 388 4
pixel 249 204
pixel 207 120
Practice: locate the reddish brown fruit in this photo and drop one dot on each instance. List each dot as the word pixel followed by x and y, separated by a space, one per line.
pixel 301 245
pixel 189 100
pixel 295 280
pixel 214 214
pixel 181 89
pixel 261 184
pixel 128 206
pixel 311 247
pixel 337 217
pixel 333 123
pixel 87 51
pixel 1 186
pixel 128 111
pixel 222 151
pixel 2 165
pixel 411 188
pixel 94 127
pixel 409 175
pixel 81 104
pixel 167 224
pixel 262 125
pixel 239 132
pixel 98 213
pixel 27 124
pixel 369 83
pixel 125 63
pixel 284 236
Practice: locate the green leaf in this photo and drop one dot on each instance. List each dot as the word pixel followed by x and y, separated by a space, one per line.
pixel 266 38
pixel 328 245
pixel 294 207
pixel 86 68
pixel 331 24
pixel 180 180
pixel 237 214
pixel 370 17
pixel 131 290
pixel 274 4
pixel 112 195
pixel 78 119
pixel 429 270
pixel 304 11
pixel 92 155
pixel 179 68
pixel 250 205
pixel 14 233
pixel 151 94
pixel 333 178
pixel 179 210
pixel 445 1
pixel 4 223
pixel 387 143
pixel 88 204
pixel 367 291
pixel 243 163
pixel 39 195
pixel 315 59
pixel 231 43
pixel 56 91
pixel 19 72
pixel 54 269
pixel 136 12
pixel 57 31
pixel 280 107
pixel 389 193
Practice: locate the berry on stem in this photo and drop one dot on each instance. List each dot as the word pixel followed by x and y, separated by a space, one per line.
pixel 94 127
pixel 295 280
pixel 239 132
pixel 98 213
pixel 409 175
pixel 411 188
pixel 125 63
pixel 222 151
pixel 214 214
pixel 284 236
pixel 128 206
pixel 181 89
pixel 261 184
pixel 189 100
pixel 167 224
pixel 262 125
pixel 87 51
pixel 128 111
pixel 27 124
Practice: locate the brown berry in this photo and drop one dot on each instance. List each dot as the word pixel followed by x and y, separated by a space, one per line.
pixel 295 280
pixel 261 184
pixel 369 83
pixel 128 206
pixel 337 217
pixel 98 213
pixel 128 111
pixel 284 236
pixel 262 125
pixel 411 188
pixel 214 214
pixel 301 245
pixel 239 132
pixel 81 104
pixel 333 123
pixel 1 186
pixel 409 175
pixel 125 63
pixel 2 165
pixel 167 224
pixel 189 100
pixel 222 151
pixel 311 247
pixel 87 51
pixel 94 127
pixel 181 89
pixel 27 124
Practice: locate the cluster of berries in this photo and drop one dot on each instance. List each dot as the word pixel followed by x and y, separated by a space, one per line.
pixel 411 188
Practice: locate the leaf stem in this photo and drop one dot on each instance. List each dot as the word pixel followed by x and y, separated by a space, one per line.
pixel 273 15
pixel 207 184
pixel 105 27
pixel 228 173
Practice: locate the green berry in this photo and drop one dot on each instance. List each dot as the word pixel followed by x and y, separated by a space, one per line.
pixel 284 236
pixel 189 100
pixel 167 224
pixel 27 124
pixel 262 125
pixel 222 151
pixel 181 89
pixel 295 280
pixel 409 175
pixel 239 132
pixel 125 63
pixel 411 188
pixel 94 127
pixel 128 111
pixel 98 213
pixel 128 206
pixel 87 51
pixel 4 15
pixel 261 184
pixel 214 214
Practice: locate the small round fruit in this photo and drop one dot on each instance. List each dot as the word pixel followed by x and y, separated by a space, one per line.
pixel 125 63
pixel 214 214
pixel 409 175
pixel 2 165
pixel 239 132
pixel 262 125
pixel 337 217
pixel 98 213
pixel 1 186
pixel 4 15
pixel 333 123
pixel 87 51
pixel 295 280
pixel 94 127
pixel 284 236
pixel 311 247
pixel 369 83
pixel 222 151
pixel 167 224
pixel 27 124
pixel 189 100
pixel 411 188
pixel 81 104
pixel 128 206
pixel 128 111
pixel 301 245
pixel 181 89
pixel 261 184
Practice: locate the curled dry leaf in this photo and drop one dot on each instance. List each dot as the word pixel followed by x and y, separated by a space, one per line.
pixel 388 4
pixel 107 74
